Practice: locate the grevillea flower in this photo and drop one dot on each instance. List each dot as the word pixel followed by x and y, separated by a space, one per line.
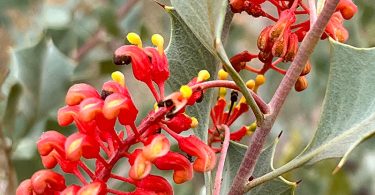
pixel 42 182
pixel 183 170
pixel 153 184
pixel 95 188
pixel 206 157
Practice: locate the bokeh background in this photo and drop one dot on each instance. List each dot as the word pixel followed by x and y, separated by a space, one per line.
pixel 77 39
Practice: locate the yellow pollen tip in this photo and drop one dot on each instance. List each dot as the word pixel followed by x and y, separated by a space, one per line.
pixel 260 79
pixel 156 107
pixel 250 84
pixel 203 75
pixel 250 129
pixel 74 145
pixel 194 122
pixel 134 39
pixel 158 41
pixel 222 75
pixel 222 91
pixel 186 91
pixel 118 77
pixel 242 100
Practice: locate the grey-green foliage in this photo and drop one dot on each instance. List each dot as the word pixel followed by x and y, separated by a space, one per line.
pixel 236 152
pixel 40 76
pixel 348 115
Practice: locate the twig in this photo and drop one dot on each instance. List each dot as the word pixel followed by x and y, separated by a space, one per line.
pixel 100 33
pixel 260 135
pixel 223 154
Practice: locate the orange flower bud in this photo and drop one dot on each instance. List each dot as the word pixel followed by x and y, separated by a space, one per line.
pixel 183 171
pixel 306 70
pixel 50 140
pixel 95 188
pixel 239 60
pixel 335 28
pixel 158 147
pixel 160 70
pixel 206 158
pixel 301 84
pixel 347 9
pixel 78 144
pixel 90 108
pixel 287 18
pixel 121 106
pixel 79 92
pixel 292 47
pixel 265 57
pixel 264 42
pixel 67 114
pixel 179 123
pixel 280 46
pixel 153 184
pixel 140 168
pixel 45 181
pixel 25 188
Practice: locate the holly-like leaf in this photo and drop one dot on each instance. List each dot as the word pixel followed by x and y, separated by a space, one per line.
pixel 44 75
pixel 264 165
pixel 205 18
pixel 348 116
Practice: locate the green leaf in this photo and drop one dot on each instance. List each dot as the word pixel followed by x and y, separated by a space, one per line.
pixel 44 74
pixel 264 165
pixel 348 115
pixel 186 57
pixel 206 19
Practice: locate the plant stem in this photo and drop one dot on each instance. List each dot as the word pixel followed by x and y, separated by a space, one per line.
pixel 257 140
pixel 223 154
pixel 238 80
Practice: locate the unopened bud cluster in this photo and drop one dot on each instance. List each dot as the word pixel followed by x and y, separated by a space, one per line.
pixel 279 42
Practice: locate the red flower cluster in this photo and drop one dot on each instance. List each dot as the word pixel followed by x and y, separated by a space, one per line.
pixel 281 39
pixel 95 115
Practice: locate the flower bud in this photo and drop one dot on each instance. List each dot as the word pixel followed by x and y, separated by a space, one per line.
pixel 95 188
pixel 114 87
pixel 301 84
pixel 280 46
pixel 67 114
pixel 47 181
pixel 121 106
pixel 264 43
pixel 25 188
pixel 78 144
pixel 287 18
pixel 206 158
pixel 49 161
pixel 237 6
pixel 183 171
pixel 90 108
pixel 347 9
pixel 50 140
pixel 292 48
pixel 140 168
pixel 239 134
pixel 238 61
pixel 158 147
pixel 79 92
pixel 335 28
pixel 154 185
pixel 306 70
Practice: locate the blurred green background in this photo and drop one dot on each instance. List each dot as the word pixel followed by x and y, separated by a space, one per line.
pixel 48 45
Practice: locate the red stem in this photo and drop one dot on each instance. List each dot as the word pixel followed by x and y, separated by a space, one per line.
pixel 223 154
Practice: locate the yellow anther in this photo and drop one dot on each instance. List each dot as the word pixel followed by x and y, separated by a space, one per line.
pixel 250 84
pixel 186 91
pixel 194 122
pixel 158 41
pixel 156 107
pixel 203 75
pixel 118 77
pixel 242 100
pixel 134 39
pixel 222 92
pixel 250 129
pixel 222 75
pixel 260 79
